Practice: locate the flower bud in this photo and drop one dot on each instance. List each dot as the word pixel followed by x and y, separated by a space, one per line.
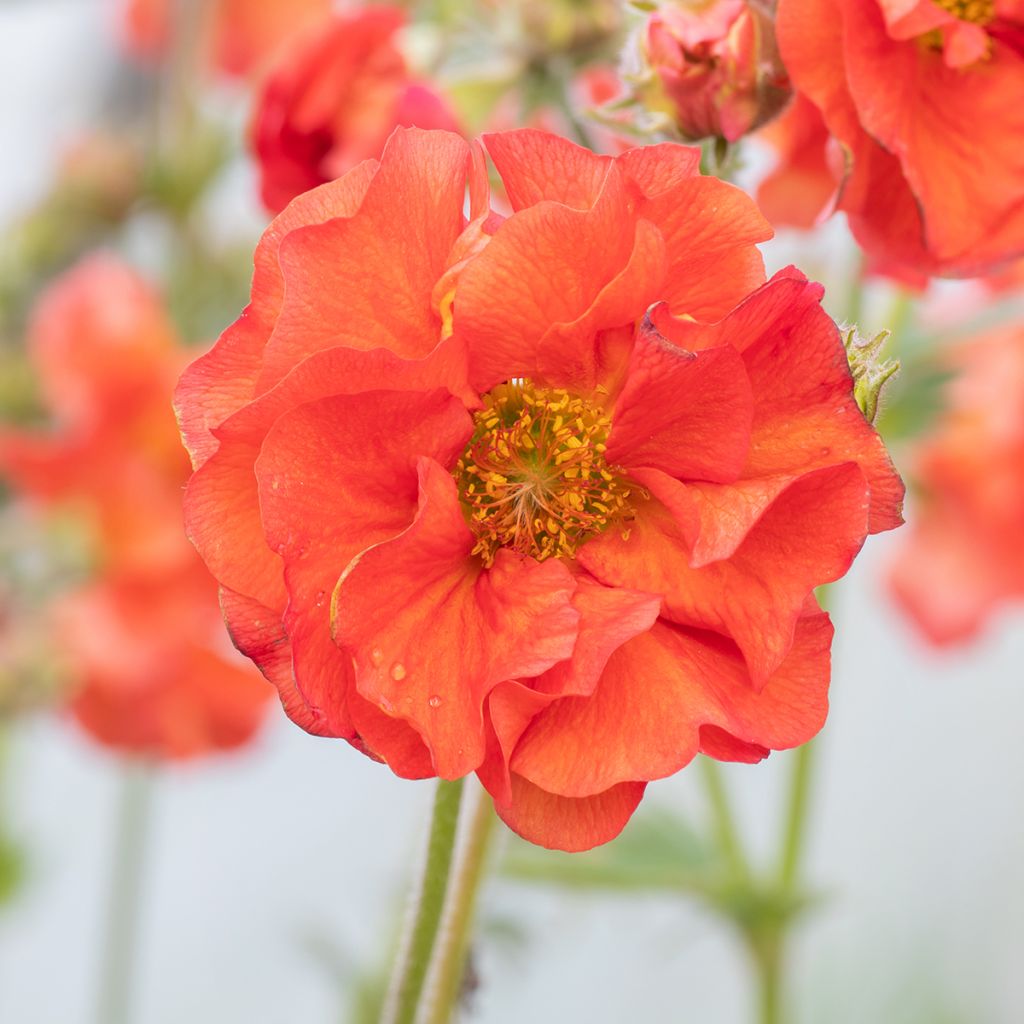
pixel 714 66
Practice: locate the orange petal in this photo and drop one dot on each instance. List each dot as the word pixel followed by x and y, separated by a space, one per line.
pixel 432 632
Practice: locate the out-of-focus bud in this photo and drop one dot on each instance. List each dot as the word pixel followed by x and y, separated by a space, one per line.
pixel 710 68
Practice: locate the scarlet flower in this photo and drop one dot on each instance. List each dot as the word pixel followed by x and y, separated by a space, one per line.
pixel 927 98
pixel 241 34
pixel 143 638
pixel 545 498
pixel 333 98
pixel 717 66
pixel 964 556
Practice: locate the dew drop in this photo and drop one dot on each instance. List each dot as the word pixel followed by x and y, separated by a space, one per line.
pixel 826 452
pixel 376 655
pixel 320 595
pixel 386 706
pixel 435 701
pixel 398 671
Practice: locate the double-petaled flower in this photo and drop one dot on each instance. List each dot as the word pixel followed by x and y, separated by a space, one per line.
pixel 927 99
pixel 543 498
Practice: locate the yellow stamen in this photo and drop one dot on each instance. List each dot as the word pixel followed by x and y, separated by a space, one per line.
pixel 978 12
pixel 534 478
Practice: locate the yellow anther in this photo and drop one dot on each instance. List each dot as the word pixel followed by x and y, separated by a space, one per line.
pixel 534 477
pixel 979 12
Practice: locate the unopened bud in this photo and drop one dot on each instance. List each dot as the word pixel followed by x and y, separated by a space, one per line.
pixel 712 67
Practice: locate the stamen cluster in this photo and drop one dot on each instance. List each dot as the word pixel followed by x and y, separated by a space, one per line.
pixel 979 12
pixel 534 478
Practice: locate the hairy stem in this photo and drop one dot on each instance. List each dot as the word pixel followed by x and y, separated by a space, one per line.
pixel 450 958
pixel 424 921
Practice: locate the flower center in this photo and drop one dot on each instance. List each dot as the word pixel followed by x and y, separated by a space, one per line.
pixel 534 477
pixel 979 12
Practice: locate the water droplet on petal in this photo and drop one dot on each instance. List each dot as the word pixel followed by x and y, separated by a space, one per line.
pixel 320 595
pixel 435 701
pixel 386 706
pixel 398 671
pixel 376 655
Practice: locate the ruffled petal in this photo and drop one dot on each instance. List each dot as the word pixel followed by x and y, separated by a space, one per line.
pixel 545 266
pixel 432 632
pixel 655 699
pixel 805 415
pixel 685 413
pixel 336 477
pixel 222 381
pixel 536 166
pixel 807 537
pixel 222 503
pixel 567 823
pixel 366 281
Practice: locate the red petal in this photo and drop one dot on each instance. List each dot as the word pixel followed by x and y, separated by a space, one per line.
pixel 222 381
pixel 432 632
pixel 545 266
pixel 536 166
pixel 956 132
pixel 685 413
pixel 222 504
pixel 710 230
pixel 565 823
pixel 337 476
pixel 658 692
pixel 257 632
pixel 366 281
pixel 805 415
pixel 809 536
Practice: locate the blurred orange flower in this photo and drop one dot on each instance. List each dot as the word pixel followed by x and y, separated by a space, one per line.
pixel 240 34
pixel 331 101
pixel 803 185
pixel 964 554
pixel 543 498
pixel 927 98
pixel 144 638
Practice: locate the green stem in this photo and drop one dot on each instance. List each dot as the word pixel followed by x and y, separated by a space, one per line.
pixel 723 819
pixel 130 841
pixel 796 817
pixel 410 969
pixel 450 957
pixel 768 958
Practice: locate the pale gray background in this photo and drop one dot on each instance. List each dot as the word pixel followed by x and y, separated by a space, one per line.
pixel 918 837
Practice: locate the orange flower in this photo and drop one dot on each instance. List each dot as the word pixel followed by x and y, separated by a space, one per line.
pixel 544 498
pixel 241 34
pixel 717 67
pixel 144 637
pixel 928 100
pixel 332 100
pixel 965 553
pixel 803 185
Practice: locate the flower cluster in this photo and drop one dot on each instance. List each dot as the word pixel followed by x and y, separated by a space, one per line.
pixel 543 498
pixel 143 639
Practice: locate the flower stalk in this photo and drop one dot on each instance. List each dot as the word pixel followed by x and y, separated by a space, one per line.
pixel 126 878
pixel 424 920
pixel 451 956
